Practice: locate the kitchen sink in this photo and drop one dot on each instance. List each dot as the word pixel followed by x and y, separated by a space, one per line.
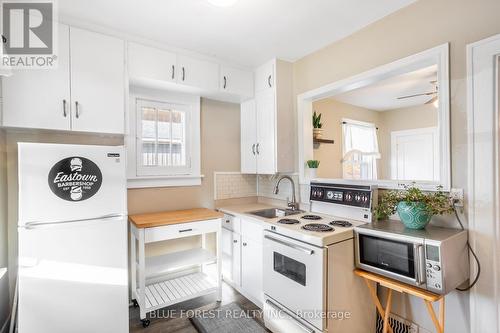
pixel 271 213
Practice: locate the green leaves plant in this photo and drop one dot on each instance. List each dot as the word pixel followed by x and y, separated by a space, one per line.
pixel 313 164
pixel 437 203
pixel 317 120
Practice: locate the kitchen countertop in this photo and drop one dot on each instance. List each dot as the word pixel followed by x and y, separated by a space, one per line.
pixel 173 217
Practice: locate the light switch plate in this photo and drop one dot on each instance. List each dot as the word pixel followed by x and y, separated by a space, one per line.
pixel 457 194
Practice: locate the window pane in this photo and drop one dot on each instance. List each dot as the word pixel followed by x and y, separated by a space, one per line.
pixel 164 130
pixel 178 138
pixel 148 136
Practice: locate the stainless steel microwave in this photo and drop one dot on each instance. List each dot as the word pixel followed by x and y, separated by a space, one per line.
pixel 435 259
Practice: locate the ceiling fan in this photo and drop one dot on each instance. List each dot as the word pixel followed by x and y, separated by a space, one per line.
pixel 434 94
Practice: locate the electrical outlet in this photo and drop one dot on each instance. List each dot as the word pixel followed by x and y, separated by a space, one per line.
pixel 457 194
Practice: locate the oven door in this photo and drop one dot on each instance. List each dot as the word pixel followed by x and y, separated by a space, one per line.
pixel 399 258
pixel 294 276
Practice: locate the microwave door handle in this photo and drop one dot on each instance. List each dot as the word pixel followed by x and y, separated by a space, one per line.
pixel 419 264
pixel 278 308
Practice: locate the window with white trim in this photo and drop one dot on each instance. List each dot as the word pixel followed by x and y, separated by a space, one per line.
pixel 359 150
pixel 162 145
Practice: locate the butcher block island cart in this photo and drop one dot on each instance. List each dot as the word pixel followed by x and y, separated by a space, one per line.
pixel 159 281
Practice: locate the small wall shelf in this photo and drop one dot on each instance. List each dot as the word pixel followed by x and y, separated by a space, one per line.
pixel 318 141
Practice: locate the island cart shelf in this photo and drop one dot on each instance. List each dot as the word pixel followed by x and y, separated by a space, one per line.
pixel 153 285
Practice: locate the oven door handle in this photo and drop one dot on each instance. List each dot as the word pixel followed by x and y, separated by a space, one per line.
pixel 293 246
pixel 278 308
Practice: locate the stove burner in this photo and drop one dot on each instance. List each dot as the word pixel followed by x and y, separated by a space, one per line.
pixel 288 221
pixel 311 217
pixel 317 227
pixel 340 223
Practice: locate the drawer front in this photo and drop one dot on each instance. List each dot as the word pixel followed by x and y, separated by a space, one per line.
pixel 181 230
pixel 232 223
pixel 252 230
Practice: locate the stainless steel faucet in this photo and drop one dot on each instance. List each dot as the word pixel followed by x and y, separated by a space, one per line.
pixel 294 205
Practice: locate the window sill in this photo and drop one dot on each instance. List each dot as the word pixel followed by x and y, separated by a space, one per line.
pixel 164 181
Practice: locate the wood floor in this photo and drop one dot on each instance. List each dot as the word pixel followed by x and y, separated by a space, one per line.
pixel 173 322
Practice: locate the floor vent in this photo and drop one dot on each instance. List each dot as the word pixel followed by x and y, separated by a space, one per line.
pixel 398 324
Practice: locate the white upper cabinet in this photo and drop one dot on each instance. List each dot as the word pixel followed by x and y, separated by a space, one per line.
pixel 198 73
pixel 248 120
pixel 265 76
pixel 97 82
pixel 86 92
pixel 40 98
pixel 236 81
pixel 268 140
pixel 146 62
pixel 265 105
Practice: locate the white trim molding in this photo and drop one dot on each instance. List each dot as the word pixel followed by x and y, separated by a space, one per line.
pixel 436 56
pixel 484 182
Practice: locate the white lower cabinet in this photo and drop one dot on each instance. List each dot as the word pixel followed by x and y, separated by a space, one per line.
pixel 251 268
pixel 242 258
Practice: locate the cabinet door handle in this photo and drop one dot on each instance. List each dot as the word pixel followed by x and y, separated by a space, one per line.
pixel 269 80
pixel 244 244
pixel 77 110
pixel 228 221
pixel 235 241
pixel 183 74
pixel 253 148
pixel 65 113
pixel 257 147
pixel 173 72
pixel 185 230
pixel 225 82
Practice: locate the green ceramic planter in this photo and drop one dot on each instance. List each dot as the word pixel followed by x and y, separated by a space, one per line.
pixel 414 215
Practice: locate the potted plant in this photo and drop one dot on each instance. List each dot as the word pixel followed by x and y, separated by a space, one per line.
pixel 317 126
pixel 313 167
pixel 414 207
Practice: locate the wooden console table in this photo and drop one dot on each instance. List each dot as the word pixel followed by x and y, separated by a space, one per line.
pixel 153 286
pixel 394 285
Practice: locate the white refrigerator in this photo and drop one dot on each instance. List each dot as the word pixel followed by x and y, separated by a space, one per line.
pixel 72 239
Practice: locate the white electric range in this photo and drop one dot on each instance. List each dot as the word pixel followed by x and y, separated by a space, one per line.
pixel 309 285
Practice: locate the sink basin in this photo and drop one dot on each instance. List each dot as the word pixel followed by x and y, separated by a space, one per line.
pixel 271 213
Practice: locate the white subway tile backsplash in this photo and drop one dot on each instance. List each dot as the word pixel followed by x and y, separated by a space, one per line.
pixel 230 185
pixel 266 184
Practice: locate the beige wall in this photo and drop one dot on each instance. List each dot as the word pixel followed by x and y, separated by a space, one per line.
pixel 420 26
pixel 330 155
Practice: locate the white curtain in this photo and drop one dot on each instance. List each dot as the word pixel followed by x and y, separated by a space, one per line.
pixel 359 149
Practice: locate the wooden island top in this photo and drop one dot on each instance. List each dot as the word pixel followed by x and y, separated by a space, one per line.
pixel 151 220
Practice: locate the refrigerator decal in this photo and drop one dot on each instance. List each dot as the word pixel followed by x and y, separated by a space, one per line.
pixel 75 178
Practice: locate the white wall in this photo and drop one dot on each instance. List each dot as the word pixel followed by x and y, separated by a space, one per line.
pixel 4 282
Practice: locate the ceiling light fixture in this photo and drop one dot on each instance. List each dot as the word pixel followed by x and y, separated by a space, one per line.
pixel 222 3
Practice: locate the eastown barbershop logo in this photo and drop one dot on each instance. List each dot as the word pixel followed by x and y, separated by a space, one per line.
pixel 28 34
pixel 75 178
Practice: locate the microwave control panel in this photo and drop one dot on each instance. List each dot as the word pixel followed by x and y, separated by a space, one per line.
pixel 349 195
pixel 433 269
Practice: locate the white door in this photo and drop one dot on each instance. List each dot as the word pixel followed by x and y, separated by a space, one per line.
pixel 248 134
pixel 73 277
pixel 70 182
pixel 265 105
pixel 40 98
pixel 149 63
pixel 97 82
pixel 198 73
pixel 251 268
pixel 415 154
pixel 264 77
pixel 236 81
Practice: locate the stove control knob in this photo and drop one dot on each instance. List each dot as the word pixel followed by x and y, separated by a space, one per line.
pixel 357 198
pixel 348 196
pixel 364 198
